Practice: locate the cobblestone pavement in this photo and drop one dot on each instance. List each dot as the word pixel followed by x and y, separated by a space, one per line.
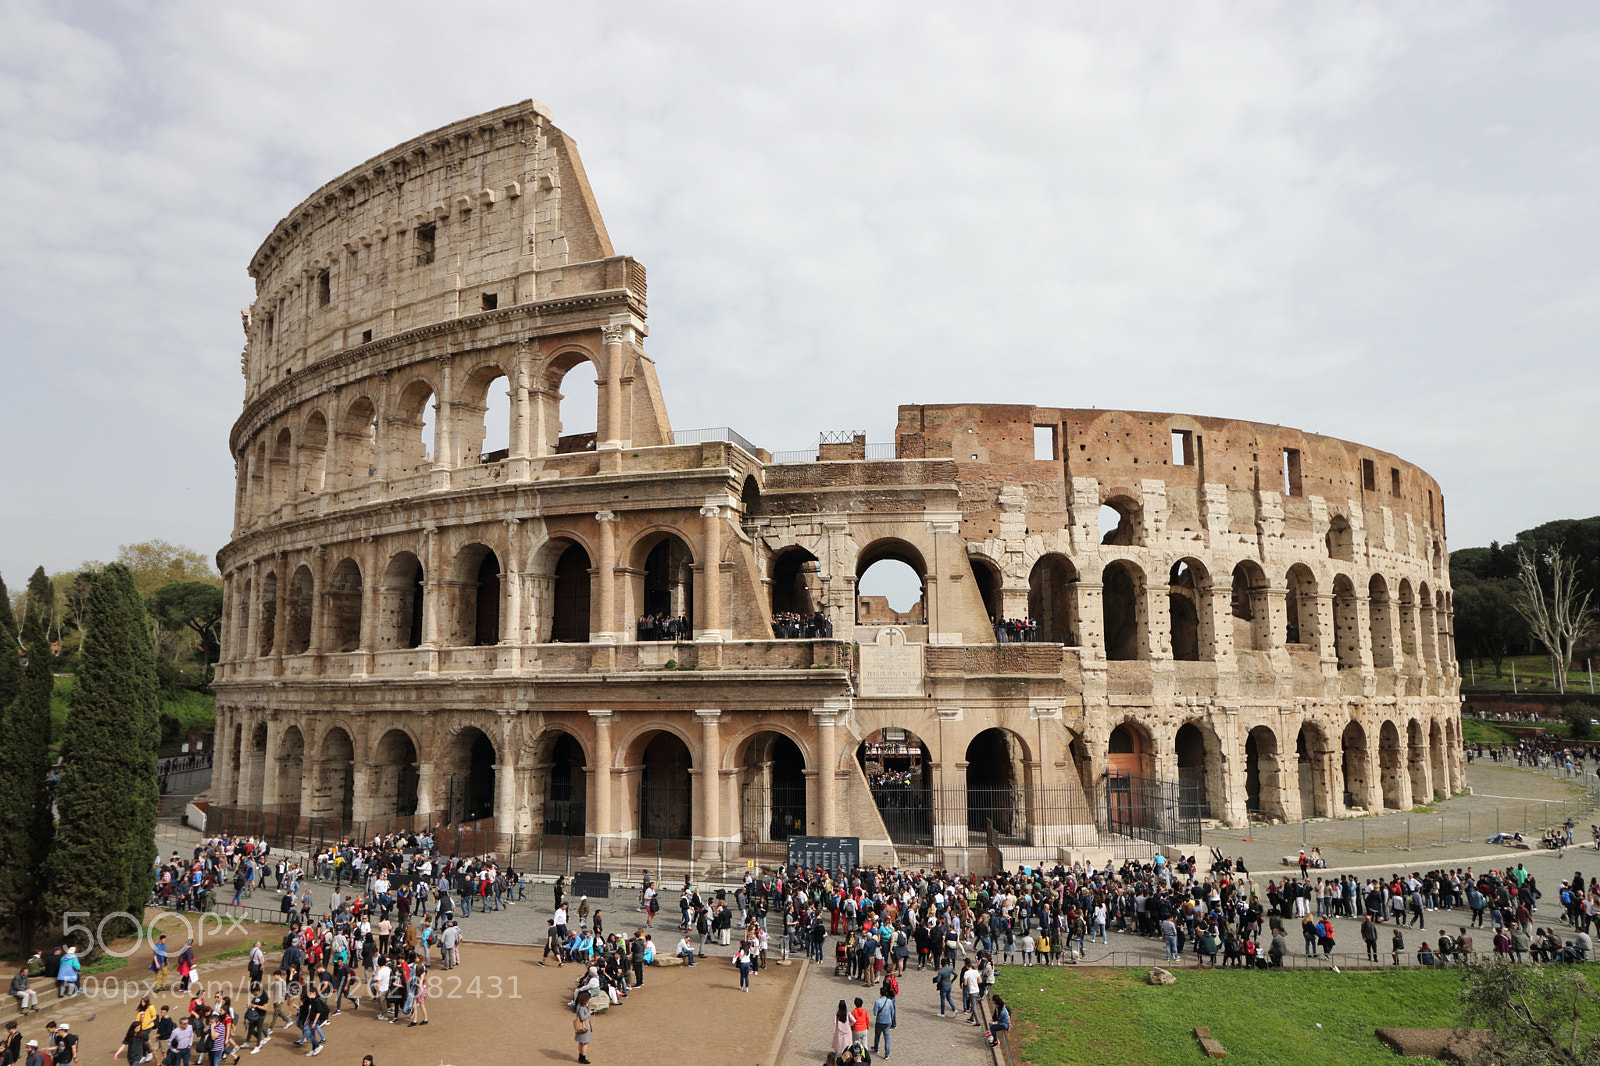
pixel 920 1037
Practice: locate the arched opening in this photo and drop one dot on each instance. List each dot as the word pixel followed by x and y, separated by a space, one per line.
pixel 335 789
pixel 1194 797
pixel 987 577
pixel 1300 608
pixel 477 597
pixel 281 489
pixel 575 392
pixel 1316 790
pixel 299 601
pixel 1436 759
pixel 569 598
pixel 471 783
pixel 1122 605
pixel 400 604
pixel 665 812
pixel 750 497
pixel 1251 615
pixel 565 788
pixel 1417 762
pixel 1346 624
pixel 667 596
pixel 1053 600
pixel 1263 778
pixel 1341 544
pixel 1119 521
pixel 1353 766
pixel 260 483
pixel 357 444
pixel 1186 583
pixel 996 790
pixel 268 629
pixel 256 767
pixel 411 430
pixel 1132 800
pixel 1390 767
pixel 483 418
pixel 242 622
pixel 890 586
pixel 395 775
pixel 1382 612
pixel 772 789
pixel 313 455
pixel 291 767
pixel 344 607
pixel 1408 620
pixel 796 593
pixel 900 777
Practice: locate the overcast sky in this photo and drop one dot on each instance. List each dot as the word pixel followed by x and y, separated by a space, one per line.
pixel 1377 222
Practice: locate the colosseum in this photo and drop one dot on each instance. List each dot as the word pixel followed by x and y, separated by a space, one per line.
pixel 477 577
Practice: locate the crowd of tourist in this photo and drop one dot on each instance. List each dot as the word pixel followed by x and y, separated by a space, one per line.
pixel 661 627
pixel 1012 630
pixel 790 626
pixel 883 779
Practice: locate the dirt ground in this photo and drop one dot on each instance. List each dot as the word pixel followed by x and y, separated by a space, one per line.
pixel 499 1006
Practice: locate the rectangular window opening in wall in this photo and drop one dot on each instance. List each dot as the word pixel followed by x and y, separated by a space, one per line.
pixel 266 330
pixel 425 243
pixel 1394 481
pixel 1291 472
pixel 1369 475
pixel 1044 442
pixel 491 300
pixel 366 336
pixel 1182 447
pixel 325 288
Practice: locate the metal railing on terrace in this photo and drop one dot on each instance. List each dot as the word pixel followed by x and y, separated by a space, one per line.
pixel 812 454
pixel 701 436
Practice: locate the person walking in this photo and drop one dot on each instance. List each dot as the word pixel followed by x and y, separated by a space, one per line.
pixel 744 962
pixel 883 1019
pixel 943 980
pixel 583 1026
pixel 841 1028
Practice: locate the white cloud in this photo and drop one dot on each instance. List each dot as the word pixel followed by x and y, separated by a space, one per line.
pixel 1372 221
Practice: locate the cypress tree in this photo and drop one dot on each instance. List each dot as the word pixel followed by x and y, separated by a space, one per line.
pixel 10 665
pixel 26 821
pixel 101 861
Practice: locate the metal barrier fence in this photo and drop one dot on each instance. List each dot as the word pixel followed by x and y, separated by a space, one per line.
pixel 1413 831
pixel 1296 959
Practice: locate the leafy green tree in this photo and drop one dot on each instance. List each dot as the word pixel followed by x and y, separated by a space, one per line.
pixel 1487 621
pixel 192 605
pixel 1538 1016
pixel 26 822
pixel 1580 720
pixel 154 563
pixel 102 860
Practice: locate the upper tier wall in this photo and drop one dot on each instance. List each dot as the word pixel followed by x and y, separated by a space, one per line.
pixel 481 214
pixel 1247 476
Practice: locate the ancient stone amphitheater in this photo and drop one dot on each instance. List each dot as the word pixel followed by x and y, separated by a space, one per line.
pixel 451 601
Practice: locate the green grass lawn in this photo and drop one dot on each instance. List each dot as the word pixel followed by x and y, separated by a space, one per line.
pixel 1087 1017
pixel 1479 731
pixel 1533 676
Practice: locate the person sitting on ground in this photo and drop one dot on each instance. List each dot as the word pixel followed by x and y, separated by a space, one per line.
pixel 1002 1020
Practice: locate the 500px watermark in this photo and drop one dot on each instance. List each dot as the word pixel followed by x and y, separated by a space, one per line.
pixel 440 987
pixel 123 925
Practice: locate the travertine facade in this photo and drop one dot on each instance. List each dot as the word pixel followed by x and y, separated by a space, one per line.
pixel 418 628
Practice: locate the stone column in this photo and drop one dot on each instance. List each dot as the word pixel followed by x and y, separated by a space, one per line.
pixel 319 600
pixel 826 719
pixel 707 775
pixel 444 430
pixel 613 432
pixel 607 597
pixel 363 778
pixel 601 823
pixel 280 612
pixel 425 787
pixel 709 624
pixel 431 589
pixel 269 764
pixel 520 421
pixel 511 577
pixel 1092 618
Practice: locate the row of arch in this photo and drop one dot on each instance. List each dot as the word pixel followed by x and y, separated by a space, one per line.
pixel 468 604
pixel 1121 522
pixel 411 426
pixel 1324 772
